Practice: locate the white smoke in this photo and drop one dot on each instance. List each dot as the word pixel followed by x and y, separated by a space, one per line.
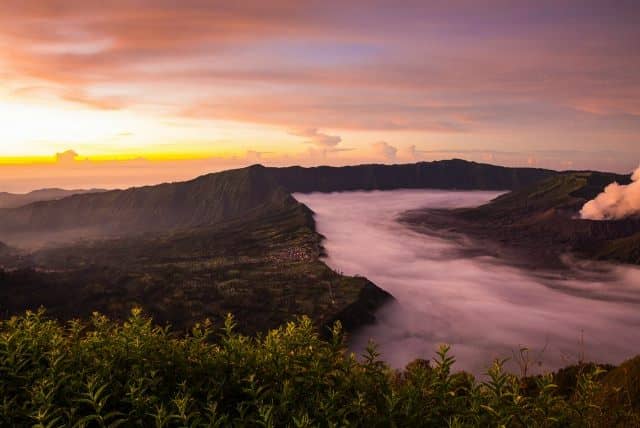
pixel 616 202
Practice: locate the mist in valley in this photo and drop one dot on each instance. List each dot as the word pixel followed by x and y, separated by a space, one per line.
pixel 457 292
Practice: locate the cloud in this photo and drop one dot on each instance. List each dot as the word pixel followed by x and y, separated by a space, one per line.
pixel 413 152
pixel 254 156
pixel 157 44
pixel 385 150
pixel 100 103
pixel 493 73
pixel 454 291
pixel 318 138
pixel 616 202
pixel 342 112
pixel 67 157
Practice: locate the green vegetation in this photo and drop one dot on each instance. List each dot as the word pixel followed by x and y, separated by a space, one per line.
pixel 106 374
pixel 265 270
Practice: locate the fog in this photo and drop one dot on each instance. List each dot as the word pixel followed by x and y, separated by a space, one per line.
pixel 482 306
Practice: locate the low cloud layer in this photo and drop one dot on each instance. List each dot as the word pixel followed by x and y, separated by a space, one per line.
pixel 616 202
pixel 452 292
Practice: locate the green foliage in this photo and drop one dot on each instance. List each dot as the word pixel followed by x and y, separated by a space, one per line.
pixel 107 374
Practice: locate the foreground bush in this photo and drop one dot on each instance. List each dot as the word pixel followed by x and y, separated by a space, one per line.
pixel 106 374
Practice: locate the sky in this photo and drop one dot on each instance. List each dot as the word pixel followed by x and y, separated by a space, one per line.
pixel 118 93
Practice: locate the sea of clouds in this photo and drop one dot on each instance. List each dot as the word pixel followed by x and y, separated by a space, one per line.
pixel 448 291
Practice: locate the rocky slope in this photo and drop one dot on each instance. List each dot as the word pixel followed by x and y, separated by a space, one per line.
pixel 543 219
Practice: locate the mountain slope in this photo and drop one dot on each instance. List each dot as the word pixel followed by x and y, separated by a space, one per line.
pixel 544 219
pixel 203 201
pixel 265 270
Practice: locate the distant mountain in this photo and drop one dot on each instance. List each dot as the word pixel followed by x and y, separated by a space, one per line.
pixel 15 200
pixel 544 219
pixel 217 197
pixel 448 174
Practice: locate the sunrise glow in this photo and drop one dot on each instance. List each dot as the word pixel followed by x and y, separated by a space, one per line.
pixel 286 83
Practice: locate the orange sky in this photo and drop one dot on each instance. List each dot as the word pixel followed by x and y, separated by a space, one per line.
pixel 161 90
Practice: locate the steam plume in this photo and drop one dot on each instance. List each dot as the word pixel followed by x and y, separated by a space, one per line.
pixel 616 202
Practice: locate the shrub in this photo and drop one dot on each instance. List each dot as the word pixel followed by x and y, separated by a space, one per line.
pixel 107 374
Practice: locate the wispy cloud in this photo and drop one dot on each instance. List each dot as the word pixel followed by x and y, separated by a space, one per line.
pixel 313 136
pixel 496 74
pixel 385 150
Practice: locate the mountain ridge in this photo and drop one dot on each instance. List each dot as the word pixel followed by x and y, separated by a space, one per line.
pixel 448 174
pixel 544 220
pixel 217 197
pixel 202 201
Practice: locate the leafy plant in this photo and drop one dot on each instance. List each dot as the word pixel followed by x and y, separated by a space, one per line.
pixel 109 374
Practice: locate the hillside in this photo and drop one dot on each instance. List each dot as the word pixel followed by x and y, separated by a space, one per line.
pixel 543 219
pixel 15 200
pixel 203 201
pixel 265 271
pixel 232 242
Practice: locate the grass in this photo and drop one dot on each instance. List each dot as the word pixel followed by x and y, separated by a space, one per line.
pixel 108 374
